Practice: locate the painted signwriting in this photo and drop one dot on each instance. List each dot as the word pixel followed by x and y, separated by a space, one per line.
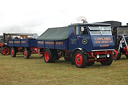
pixel 23 41
pixel 104 45
pixel 59 43
pixel 98 40
pixel 49 42
pixel 16 41
pixel 40 42
pixel 10 41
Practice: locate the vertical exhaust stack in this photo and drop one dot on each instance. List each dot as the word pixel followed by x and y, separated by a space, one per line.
pixel 81 18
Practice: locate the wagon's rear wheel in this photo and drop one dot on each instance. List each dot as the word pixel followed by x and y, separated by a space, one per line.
pixel 67 59
pixel 108 61
pixel 80 59
pixel 49 56
pixel 5 50
pixel 26 53
pixel 67 56
pixel 13 52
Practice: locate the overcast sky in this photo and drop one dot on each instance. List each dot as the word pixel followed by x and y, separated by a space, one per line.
pixel 35 16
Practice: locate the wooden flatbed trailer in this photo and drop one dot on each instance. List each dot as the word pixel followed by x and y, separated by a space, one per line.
pixel 5 49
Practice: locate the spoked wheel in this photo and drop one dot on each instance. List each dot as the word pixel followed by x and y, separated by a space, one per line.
pixel 26 53
pixel 108 61
pixel 13 52
pixel 49 56
pixel 5 51
pixel 80 59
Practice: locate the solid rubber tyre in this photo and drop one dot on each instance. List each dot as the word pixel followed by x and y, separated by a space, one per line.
pixel 118 56
pixel 26 53
pixel 13 52
pixel 108 61
pixel 49 56
pixel 90 63
pixel 80 59
pixel 54 55
pixel 67 57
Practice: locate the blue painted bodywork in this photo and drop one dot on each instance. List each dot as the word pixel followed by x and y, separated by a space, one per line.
pixel 40 44
pixel 87 41
pixel 17 42
pixel 22 43
pixel 102 42
pixel 59 44
pixel 11 42
pixel 62 44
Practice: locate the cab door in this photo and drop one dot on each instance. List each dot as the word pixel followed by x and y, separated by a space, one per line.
pixel 85 39
pixel 80 39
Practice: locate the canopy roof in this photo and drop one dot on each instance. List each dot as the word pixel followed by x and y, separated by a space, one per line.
pixel 60 33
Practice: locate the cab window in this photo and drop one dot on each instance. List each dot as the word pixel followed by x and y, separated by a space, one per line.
pixel 83 30
pixel 100 30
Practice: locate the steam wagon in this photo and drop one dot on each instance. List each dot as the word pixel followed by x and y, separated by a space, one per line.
pixel 5 50
pixel 120 36
pixel 80 43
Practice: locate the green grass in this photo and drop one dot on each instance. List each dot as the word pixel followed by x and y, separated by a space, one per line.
pixel 34 71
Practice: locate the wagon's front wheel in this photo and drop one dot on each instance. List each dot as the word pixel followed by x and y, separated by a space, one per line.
pixel 108 61
pixel 80 59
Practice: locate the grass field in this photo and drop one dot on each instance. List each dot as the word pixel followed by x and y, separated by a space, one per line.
pixel 34 71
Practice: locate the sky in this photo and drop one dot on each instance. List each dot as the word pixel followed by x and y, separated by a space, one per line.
pixel 36 16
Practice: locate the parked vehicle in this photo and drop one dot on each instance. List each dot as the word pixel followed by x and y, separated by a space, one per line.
pixel 80 43
pixel 5 49
pixel 120 36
